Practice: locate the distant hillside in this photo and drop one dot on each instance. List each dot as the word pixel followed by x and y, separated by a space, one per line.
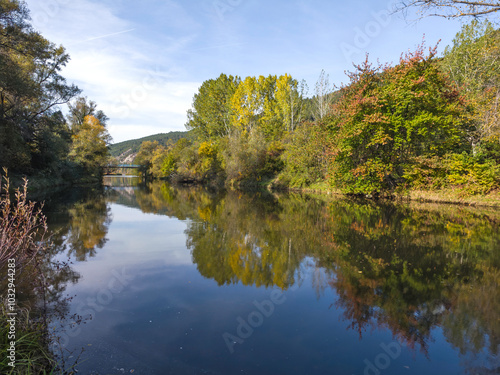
pixel 132 146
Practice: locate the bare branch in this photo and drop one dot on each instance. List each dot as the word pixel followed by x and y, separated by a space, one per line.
pixel 450 8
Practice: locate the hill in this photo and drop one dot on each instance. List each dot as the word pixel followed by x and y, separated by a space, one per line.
pixel 126 148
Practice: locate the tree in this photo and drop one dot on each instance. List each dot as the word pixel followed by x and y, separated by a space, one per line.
pixel 31 87
pixel 80 109
pixel 289 97
pixel 211 113
pixel 250 100
pixel 146 154
pixel 387 117
pixel 473 62
pixel 323 98
pixel 451 8
pixel 90 145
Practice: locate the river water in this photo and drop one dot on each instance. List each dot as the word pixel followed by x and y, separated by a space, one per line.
pixel 169 280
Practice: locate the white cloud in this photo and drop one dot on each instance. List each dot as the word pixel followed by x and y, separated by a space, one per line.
pixel 136 83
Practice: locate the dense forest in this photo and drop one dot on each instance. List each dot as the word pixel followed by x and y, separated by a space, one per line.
pixel 429 122
pixel 36 139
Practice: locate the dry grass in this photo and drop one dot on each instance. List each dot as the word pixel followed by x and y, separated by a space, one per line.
pixel 454 196
pixel 22 227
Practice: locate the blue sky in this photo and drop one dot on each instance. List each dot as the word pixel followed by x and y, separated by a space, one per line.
pixel 142 61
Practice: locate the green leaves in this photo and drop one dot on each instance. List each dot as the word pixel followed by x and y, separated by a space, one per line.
pixel 31 88
pixel 211 113
pixel 389 115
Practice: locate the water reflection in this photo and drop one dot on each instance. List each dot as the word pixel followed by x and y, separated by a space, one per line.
pixel 410 270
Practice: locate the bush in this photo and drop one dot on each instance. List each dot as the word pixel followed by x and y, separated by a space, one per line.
pixel 304 156
pixel 22 238
pixel 471 174
pixel 248 157
pixel 22 227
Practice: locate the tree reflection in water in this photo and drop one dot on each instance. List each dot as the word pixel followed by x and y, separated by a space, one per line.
pixel 409 268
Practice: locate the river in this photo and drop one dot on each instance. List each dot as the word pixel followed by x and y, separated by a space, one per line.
pixel 183 280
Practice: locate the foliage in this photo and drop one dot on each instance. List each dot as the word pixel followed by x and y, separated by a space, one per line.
pixel 35 137
pixel 173 156
pixel 32 353
pixel 146 154
pixel 272 105
pixel 90 145
pixel 23 229
pixel 80 109
pixel 249 157
pixel 473 62
pixel 210 116
pixel 305 159
pixel 31 88
pixel 390 115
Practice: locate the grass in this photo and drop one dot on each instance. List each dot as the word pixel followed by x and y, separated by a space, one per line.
pixel 455 196
pixel 32 353
pixel 23 240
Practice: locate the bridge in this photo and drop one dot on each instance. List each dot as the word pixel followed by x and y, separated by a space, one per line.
pixel 110 167
pixel 123 166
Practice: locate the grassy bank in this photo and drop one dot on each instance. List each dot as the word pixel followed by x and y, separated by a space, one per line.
pixel 454 196
pixel 446 196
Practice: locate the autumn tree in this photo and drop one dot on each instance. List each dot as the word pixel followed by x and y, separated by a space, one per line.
pixel 252 101
pixel 80 109
pixel 388 116
pixel 289 99
pixel 90 145
pixel 271 105
pixel 147 153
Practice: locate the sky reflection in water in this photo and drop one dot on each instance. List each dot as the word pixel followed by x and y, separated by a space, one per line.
pixel 184 281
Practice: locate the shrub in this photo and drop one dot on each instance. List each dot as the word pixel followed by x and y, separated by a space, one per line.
pixel 22 227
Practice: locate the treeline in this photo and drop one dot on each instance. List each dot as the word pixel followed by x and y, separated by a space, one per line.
pixel 427 122
pixel 35 137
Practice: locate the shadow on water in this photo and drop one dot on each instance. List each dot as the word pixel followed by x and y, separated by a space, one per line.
pixel 406 269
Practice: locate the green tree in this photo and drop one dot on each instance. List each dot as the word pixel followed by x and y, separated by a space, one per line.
pixel 473 62
pixel 211 113
pixel 31 86
pixel 305 156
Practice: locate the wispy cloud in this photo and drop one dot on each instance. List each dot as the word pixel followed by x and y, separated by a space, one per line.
pixel 119 49
pixel 102 37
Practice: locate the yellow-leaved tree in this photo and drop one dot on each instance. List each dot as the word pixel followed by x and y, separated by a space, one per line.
pixel 90 145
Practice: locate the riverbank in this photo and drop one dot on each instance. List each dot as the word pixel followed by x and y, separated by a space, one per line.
pixel 444 196
pixel 41 184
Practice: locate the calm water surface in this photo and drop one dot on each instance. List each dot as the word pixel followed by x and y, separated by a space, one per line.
pixel 172 280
